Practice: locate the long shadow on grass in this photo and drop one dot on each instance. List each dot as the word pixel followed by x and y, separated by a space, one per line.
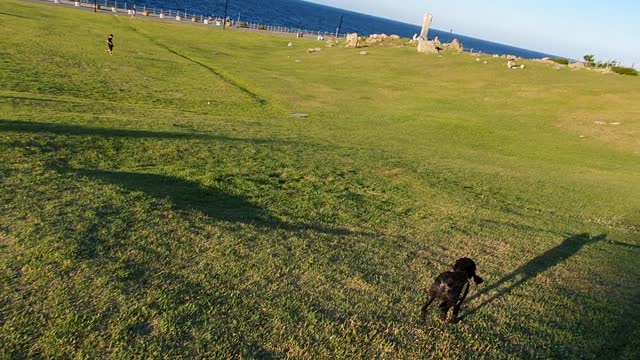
pixel 79 130
pixel 184 194
pixel 536 266
pixel 16 15
pixel 215 203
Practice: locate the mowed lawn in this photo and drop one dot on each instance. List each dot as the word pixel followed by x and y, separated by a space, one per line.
pixel 163 202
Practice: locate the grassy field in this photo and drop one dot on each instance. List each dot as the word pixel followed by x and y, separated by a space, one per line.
pixel 163 202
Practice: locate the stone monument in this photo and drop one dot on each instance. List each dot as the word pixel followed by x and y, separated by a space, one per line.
pixel 426 24
pixel 424 45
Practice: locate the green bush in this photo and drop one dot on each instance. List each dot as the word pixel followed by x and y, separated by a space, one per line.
pixel 625 70
pixel 560 61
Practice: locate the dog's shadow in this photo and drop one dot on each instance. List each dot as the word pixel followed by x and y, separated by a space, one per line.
pixel 541 263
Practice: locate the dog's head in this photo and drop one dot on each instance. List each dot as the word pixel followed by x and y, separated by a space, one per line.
pixel 468 266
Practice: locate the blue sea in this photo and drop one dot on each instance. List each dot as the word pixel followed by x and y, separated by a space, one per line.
pixel 314 17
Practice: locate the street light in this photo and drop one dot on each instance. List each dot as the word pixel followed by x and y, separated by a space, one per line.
pixel 95 5
pixel 224 21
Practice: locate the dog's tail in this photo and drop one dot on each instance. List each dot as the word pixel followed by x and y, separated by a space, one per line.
pixel 423 312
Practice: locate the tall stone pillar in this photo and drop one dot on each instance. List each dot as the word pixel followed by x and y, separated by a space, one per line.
pixel 426 24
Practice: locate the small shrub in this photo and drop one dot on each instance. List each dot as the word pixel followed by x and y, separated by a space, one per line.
pixel 560 61
pixel 625 70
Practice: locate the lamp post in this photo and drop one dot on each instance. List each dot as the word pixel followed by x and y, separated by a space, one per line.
pixel 224 21
pixel 95 5
pixel 339 27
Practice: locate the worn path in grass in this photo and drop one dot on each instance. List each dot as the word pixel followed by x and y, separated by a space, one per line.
pixel 163 202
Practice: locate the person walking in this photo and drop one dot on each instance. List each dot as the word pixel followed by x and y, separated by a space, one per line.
pixel 110 44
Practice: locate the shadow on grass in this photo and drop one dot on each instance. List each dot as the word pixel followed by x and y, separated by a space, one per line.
pixel 79 130
pixel 185 194
pixel 541 263
pixel 16 15
pixel 215 203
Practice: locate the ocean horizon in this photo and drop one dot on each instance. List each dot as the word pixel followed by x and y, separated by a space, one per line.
pixel 306 15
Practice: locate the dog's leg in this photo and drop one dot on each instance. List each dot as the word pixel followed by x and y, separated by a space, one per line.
pixel 444 309
pixel 423 312
pixel 458 305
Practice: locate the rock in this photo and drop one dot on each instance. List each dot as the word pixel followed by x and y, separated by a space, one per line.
pixel 317 49
pixel 300 115
pixel 363 52
pixel 352 40
pixel 599 122
pixel 496 55
pixel 394 37
pixel 373 40
pixel 436 41
pixel 456 45
pixel 614 123
pixel 310 50
pixel 577 65
pixel 427 47
pixel 290 44
pixel 477 59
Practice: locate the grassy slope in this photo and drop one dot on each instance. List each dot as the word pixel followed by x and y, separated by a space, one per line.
pixel 164 202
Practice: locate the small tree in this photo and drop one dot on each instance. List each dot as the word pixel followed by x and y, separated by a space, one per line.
pixel 589 59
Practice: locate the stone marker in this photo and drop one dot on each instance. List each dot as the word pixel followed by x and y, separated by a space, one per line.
pixel 424 45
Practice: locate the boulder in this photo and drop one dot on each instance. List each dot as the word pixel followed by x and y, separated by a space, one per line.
pixel 352 40
pixel 373 40
pixel 456 45
pixel 427 47
pixel 578 65
pixel 394 37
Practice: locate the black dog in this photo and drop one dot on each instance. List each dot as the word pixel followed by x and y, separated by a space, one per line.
pixel 452 288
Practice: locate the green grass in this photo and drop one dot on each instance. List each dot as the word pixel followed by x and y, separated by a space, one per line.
pixel 163 202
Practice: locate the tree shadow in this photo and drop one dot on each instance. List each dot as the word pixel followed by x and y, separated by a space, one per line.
pixel 541 263
pixel 79 130
pixel 185 195
pixel 16 15
pixel 214 203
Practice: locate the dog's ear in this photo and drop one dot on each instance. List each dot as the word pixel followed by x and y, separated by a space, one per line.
pixel 477 279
